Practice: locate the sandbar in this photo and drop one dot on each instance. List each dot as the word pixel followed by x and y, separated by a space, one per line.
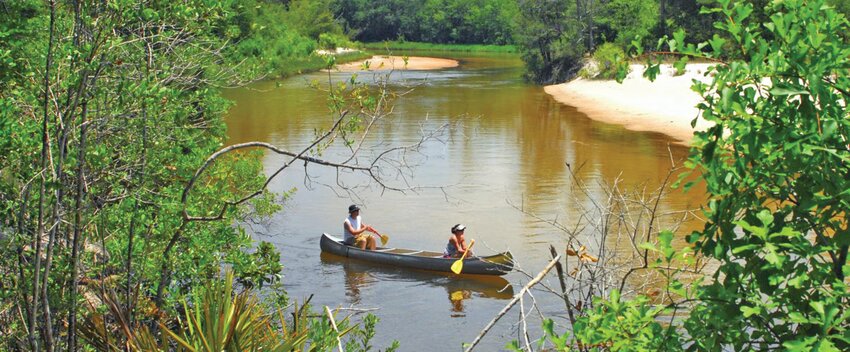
pixel 386 63
pixel 667 105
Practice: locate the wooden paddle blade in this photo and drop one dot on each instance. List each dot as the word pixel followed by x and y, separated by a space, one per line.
pixel 457 266
pixel 384 239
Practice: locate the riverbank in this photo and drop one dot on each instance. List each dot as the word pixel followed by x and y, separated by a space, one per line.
pixel 471 48
pixel 316 62
pixel 382 63
pixel 667 105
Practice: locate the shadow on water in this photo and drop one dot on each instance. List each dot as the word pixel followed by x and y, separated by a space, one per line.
pixel 460 289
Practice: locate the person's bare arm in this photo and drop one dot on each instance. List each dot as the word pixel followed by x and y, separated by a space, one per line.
pixel 356 231
pixel 461 246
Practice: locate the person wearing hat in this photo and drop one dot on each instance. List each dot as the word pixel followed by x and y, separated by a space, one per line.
pixel 456 246
pixel 354 230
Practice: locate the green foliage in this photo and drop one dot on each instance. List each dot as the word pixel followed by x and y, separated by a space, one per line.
pixel 138 78
pixel 260 268
pixel 97 155
pixel 312 18
pixel 617 325
pixel 621 21
pixel 217 318
pixel 433 21
pixel 607 60
pixel 333 41
pixel 686 16
pixel 219 321
pixel 841 6
pixel 406 45
pixel 775 166
pixel 549 40
pixel 268 44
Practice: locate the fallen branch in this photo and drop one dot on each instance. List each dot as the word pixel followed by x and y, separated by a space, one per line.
pixel 333 324
pixel 517 298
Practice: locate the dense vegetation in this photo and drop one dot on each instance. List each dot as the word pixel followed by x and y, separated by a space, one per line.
pixel 775 165
pixel 554 36
pixel 107 111
pixel 432 21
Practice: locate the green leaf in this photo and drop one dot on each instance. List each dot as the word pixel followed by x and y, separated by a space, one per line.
pixel 800 344
pixel 748 247
pixel 785 89
pixel 750 311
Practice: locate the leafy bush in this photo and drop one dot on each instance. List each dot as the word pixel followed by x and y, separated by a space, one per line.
pixel 775 167
pixel 217 318
pixel 311 18
pixel 332 41
pixel 624 20
pixel 605 62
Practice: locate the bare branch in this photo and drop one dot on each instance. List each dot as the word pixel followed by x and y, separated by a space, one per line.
pixel 514 301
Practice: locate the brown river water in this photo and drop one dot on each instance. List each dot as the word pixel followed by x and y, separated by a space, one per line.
pixel 508 150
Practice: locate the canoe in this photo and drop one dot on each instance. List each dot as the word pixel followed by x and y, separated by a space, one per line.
pixel 499 264
pixel 359 274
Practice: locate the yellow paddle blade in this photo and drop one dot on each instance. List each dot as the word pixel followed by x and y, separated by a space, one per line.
pixel 384 239
pixel 457 266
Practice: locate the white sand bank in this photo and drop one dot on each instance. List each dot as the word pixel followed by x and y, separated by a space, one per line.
pixel 382 63
pixel 667 105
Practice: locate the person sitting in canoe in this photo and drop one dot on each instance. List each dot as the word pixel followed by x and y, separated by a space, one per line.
pixel 456 246
pixel 354 230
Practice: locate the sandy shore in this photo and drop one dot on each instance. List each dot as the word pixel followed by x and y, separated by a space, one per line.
pixel 667 105
pixel 383 63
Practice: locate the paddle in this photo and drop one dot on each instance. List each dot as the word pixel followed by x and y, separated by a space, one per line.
pixel 384 238
pixel 457 266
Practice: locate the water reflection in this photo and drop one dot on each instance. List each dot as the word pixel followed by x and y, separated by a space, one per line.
pixel 511 147
pixel 457 297
pixel 360 275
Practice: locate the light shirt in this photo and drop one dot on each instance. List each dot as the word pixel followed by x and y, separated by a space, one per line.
pixel 348 237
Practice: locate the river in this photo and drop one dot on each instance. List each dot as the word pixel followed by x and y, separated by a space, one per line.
pixel 505 157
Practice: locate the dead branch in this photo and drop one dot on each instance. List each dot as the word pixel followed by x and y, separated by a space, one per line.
pixel 517 298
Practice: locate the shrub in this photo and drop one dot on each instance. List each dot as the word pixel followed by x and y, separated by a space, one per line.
pixel 606 59
pixel 332 41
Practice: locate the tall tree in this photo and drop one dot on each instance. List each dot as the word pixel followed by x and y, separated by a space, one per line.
pixel 549 39
pixel 775 165
pixel 622 21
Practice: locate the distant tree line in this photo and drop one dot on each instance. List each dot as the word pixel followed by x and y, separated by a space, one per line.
pixel 553 36
pixel 433 21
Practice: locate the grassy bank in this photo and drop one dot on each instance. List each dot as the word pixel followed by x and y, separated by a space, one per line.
pixel 312 63
pixel 396 45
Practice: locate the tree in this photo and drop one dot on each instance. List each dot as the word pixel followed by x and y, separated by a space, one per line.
pixel 549 40
pixel 433 21
pixel 110 107
pixel 775 165
pixel 623 20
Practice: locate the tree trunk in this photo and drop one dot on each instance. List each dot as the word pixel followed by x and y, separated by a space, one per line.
pixel 39 234
pixel 75 251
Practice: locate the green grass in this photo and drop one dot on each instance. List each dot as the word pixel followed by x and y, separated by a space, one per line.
pixel 395 45
pixel 313 63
